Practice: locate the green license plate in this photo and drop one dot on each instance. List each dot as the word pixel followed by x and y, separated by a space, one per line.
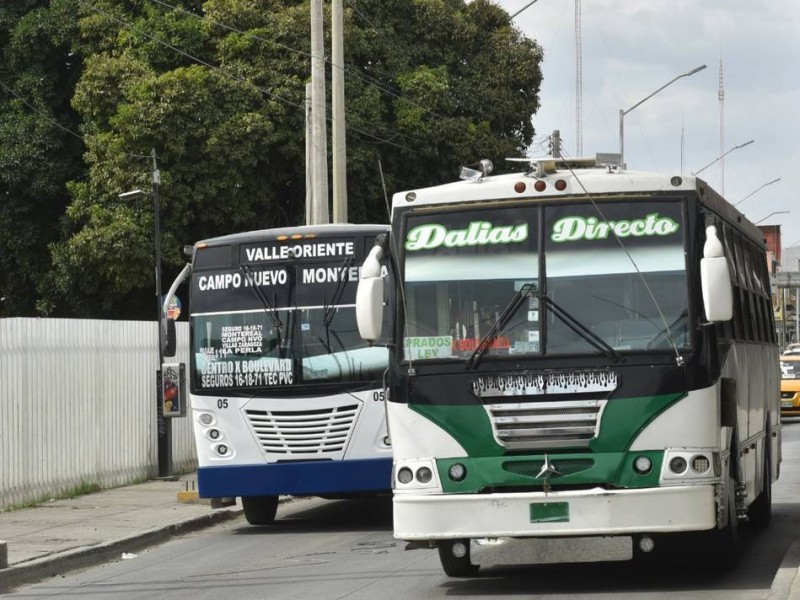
pixel 550 512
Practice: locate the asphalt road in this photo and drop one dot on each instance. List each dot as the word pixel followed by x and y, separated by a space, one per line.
pixel 344 549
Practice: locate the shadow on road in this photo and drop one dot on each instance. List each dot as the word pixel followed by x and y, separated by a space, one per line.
pixel 359 514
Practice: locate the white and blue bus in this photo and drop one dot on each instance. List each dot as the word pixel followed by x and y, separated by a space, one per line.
pixel 579 350
pixel 285 396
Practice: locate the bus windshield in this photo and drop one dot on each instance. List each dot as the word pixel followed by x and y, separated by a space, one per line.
pixel 279 327
pixel 607 278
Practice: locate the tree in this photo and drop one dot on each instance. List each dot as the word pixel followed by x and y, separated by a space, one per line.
pixel 39 150
pixel 218 90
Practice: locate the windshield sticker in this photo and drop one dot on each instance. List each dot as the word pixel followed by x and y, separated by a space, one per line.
pixel 435 346
pixel 246 373
pixel 537 384
pixel 478 233
pixel 570 229
pixel 243 339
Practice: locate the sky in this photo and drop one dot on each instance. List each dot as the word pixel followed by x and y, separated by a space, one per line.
pixel 631 48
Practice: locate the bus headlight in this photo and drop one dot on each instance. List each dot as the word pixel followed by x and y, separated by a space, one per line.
pixel 642 465
pixel 415 475
pixel 700 464
pixel 457 472
pixel 206 418
pixel 424 475
pixel 405 475
pixel 677 465
pixel 690 465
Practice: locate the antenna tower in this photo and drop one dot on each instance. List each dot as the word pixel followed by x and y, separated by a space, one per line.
pixel 721 96
pixel 578 81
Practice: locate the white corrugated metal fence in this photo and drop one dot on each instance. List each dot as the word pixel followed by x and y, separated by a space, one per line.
pixel 78 406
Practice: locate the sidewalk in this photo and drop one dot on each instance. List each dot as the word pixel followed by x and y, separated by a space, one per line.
pixel 62 535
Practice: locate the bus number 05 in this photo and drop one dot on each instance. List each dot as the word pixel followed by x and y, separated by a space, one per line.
pixel 379 396
pixel 222 403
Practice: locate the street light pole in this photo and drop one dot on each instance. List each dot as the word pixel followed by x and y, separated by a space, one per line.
pixel 163 425
pixel 622 113
pixel 523 8
pixel 761 187
pixel 777 212
pixel 723 156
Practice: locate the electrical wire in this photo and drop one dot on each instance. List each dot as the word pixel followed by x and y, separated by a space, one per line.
pixel 224 73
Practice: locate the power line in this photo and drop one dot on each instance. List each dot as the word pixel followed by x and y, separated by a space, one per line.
pixel 347 70
pixel 247 82
pixel 40 113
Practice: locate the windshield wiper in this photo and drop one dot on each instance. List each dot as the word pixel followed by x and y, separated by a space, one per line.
pixel 509 311
pixel 330 308
pixel 587 334
pixel 269 307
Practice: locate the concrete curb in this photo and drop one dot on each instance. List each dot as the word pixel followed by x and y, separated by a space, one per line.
pixel 47 566
pixel 786 583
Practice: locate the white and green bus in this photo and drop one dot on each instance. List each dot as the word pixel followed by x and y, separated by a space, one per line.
pixel 578 350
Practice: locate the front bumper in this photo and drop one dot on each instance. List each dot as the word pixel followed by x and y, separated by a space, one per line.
pixel 597 511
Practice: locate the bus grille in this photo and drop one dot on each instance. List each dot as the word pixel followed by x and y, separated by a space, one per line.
pixel 532 468
pixel 546 409
pixel 546 424
pixel 319 432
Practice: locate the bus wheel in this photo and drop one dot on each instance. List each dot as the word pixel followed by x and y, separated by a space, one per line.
pixel 760 511
pixel 454 555
pixel 260 510
pixel 725 545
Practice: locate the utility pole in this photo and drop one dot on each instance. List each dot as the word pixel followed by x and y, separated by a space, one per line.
pixel 578 81
pixel 164 425
pixel 337 114
pixel 556 143
pixel 309 157
pixel 319 162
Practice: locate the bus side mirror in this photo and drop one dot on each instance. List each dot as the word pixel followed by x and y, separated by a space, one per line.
pixel 369 297
pixel 168 338
pixel 715 279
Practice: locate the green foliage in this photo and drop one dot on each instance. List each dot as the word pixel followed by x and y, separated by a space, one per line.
pixel 216 90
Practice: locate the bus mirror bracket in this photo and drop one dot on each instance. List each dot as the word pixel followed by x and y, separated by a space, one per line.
pixel 369 297
pixel 168 341
pixel 715 280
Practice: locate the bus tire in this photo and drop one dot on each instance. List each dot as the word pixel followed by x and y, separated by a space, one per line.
pixel 455 566
pixel 725 547
pixel 759 513
pixel 260 510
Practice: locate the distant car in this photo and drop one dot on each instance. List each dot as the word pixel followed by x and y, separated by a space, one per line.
pixel 790 385
pixel 792 350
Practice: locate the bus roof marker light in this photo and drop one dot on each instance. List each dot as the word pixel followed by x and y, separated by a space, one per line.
pixel 561 185
pixel 520 187
pixel 676 181
pixel 282 238
pixel 540 185
pixel 410 197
